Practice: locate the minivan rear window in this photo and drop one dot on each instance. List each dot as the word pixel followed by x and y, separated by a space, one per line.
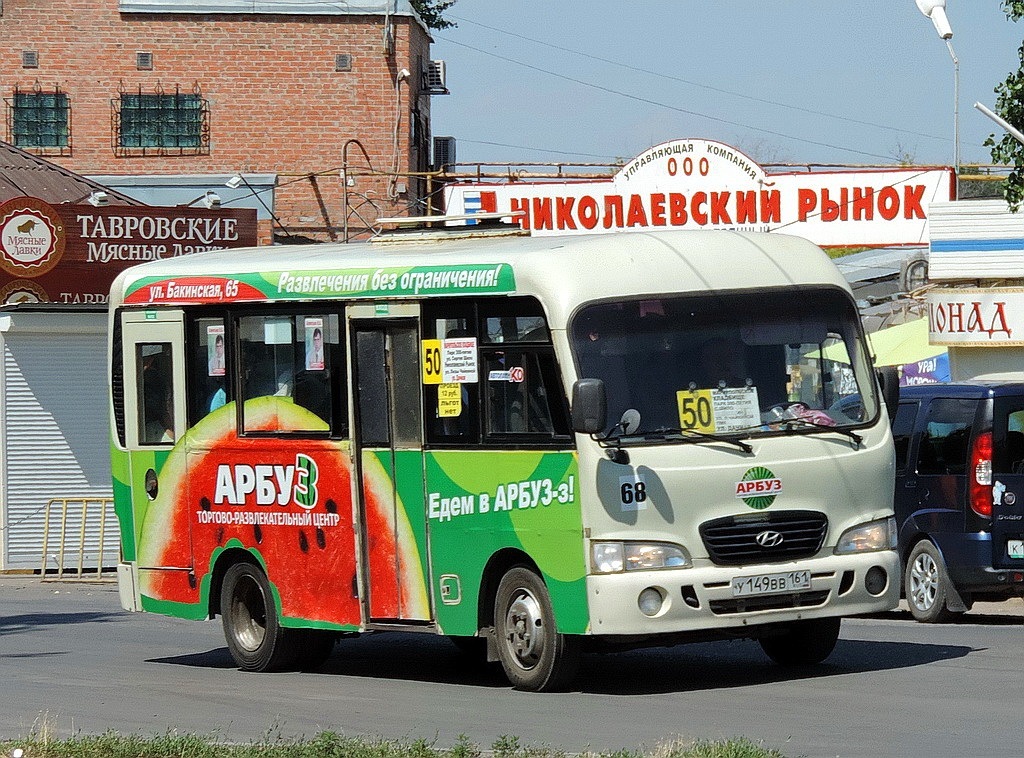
pixel 1008 426
pixel 947 436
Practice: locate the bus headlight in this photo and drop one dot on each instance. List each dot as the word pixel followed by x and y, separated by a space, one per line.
pixel 868 538
pixel 614 557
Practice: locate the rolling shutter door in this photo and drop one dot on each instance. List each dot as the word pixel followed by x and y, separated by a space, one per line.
pixel 56 445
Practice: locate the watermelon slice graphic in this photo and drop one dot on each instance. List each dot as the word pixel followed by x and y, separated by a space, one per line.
pixel 312 565
pixel 397 585
pixel 307 553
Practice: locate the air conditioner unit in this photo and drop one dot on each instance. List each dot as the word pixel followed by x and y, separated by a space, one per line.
pixel 434 78
pixel 444 152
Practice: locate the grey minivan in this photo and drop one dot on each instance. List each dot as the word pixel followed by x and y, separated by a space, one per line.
pixel 959 497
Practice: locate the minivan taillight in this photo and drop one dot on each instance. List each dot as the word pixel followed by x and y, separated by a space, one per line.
pixel 981 481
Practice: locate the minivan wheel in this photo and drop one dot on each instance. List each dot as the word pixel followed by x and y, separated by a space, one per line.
pixel 926 584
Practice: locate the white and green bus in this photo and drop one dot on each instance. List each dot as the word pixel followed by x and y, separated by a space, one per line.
pixel 533 446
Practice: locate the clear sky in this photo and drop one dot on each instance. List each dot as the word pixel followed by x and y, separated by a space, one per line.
pixel 793 81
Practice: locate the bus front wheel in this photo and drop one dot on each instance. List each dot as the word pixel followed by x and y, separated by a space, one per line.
pixel 255 637
pixel 534 655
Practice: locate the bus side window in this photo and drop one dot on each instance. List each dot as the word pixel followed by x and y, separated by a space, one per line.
pixel 293 357
pixel 320 382
pixel 156 393
pixel 442 320
pixel 523 396
pixel 209 377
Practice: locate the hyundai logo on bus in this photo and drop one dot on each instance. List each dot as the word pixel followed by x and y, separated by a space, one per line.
pixel 769 538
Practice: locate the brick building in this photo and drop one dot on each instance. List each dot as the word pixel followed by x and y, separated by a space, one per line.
pixel 266 104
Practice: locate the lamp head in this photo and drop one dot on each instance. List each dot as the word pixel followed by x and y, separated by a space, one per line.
pixel 402 75
pixel 936 11
pixel 98 198
pixel 234 182
pixel 211 200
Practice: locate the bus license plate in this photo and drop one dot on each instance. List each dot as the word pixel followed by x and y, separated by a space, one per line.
pixel 771 584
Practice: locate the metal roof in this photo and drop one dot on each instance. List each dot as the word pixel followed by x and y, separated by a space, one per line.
pixel 22 174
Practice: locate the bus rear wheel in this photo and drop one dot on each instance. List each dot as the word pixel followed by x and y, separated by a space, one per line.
pixel 255 637
pixel 803 643
pixel 534 655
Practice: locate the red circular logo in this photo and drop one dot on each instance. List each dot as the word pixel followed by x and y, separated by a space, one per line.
pixel 31 237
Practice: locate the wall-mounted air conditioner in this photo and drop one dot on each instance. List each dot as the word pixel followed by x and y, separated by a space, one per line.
pixel 434 78
pixel 444 152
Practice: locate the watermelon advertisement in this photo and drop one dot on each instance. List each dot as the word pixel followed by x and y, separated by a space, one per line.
pixel 288 504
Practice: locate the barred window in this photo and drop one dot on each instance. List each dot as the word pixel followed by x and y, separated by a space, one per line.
pixel 160 123
pixel 40 121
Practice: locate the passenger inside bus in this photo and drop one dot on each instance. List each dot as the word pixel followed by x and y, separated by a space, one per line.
pixel 157 411
pixel 158 402
pixel 268 371
pixel 312 392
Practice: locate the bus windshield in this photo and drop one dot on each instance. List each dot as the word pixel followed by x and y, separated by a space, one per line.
pixel 767 362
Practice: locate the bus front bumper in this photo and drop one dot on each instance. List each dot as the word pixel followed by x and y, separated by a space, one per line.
pixel 703 597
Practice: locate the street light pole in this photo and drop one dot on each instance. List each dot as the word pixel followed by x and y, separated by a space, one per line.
pixel 1010 129
pixel 956 107
pixel 936 11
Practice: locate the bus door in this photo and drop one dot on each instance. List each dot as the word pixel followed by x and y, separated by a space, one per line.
pixel 388 441
pixel 153 378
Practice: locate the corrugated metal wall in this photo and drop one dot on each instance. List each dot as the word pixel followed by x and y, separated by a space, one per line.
pixel 974 239
pixel 55 445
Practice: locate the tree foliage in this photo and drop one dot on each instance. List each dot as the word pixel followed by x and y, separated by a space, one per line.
pixel 1010 105
pixel 432 12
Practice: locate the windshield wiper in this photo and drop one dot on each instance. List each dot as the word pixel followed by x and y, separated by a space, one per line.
pixel 693 435
pixel 806 422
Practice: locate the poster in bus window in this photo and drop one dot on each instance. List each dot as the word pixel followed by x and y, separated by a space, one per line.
pixel 314 344
pixel 215 349
pixel 449 400
pixel 459 360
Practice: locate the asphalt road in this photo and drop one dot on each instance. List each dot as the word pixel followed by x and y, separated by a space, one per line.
pixel 72 662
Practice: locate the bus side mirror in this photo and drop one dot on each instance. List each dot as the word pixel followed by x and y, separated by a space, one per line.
pixel 889 382
pixel 589 406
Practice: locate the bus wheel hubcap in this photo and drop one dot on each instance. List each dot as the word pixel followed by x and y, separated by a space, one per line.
pixel 249 616
pixel 524 629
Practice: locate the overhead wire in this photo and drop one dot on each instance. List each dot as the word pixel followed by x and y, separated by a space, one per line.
pixel 675 108
pixel 701 85
pixel 538 149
